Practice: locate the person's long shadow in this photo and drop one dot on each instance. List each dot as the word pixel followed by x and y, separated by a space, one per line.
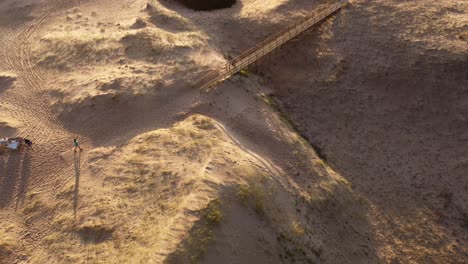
pixel 9 170
pixel 77 160
pixel 24 178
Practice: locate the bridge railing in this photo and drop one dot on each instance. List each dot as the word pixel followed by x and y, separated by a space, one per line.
pixel 269 44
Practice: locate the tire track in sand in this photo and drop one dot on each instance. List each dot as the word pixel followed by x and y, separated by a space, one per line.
pixel 29 101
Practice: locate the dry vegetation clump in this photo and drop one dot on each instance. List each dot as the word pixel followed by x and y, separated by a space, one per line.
pixel 36 208
pixel 252 195
pixel 200 236
pixel 213 213
pixel 194 247
pixel 8 245
pixel 256 189
pixel 203 123
pixel 95 231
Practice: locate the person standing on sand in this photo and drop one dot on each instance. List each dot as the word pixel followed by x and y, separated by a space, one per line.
pixel 76 145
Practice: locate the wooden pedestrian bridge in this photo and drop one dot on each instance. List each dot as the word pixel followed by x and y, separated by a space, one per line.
pixel 268 45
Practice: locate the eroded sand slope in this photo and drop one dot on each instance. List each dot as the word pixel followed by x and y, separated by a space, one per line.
pixel 381 91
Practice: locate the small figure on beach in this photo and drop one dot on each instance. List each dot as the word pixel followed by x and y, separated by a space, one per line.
pixel 28 142
pixel 76 145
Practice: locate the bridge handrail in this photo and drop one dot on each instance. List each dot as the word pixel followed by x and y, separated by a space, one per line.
pixel 269 44
pixel 285 30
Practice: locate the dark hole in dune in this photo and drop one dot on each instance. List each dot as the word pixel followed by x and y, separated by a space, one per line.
pixel 207 4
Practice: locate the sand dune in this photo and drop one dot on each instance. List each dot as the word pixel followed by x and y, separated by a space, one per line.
pixel 8 126
pixel 382 95
pixel 6 80
pixel 171 174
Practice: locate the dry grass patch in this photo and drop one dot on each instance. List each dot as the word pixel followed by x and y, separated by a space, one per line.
pixel 95 231
pixel 8 245
pixel 34 206
pixel 67 191
pixel 213 212
pixel 252 195
pixel 195 245
pixel 256 188
pixel 203 123
pixel 297 229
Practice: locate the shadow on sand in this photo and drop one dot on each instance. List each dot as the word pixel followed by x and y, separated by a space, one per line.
pixel 77 160
pixel 24 178
pixel 14 173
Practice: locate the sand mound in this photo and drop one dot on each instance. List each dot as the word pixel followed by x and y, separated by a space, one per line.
pixel 158 48
pixel 8 126
pixel 168 20
pixel 142 46
pixel 207 196
pixel 7 130
pixel 139 23
pixel 162 46
pixel 95 100
pixel 6 81
pixel 113 85
pixel 67 50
